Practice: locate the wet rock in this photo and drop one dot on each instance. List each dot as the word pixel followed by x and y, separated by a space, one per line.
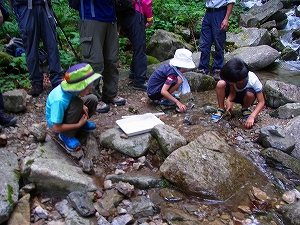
pixel 82 202
pixel 21 213
pixel 194 167
pixel 106 206
pixel 139 179
pixel 290 213
pixel 172 215
pixel 38 131
pixel 274 155
pixel 143 207
pixel 275 137
pixel 122 220
pixel 287 111
pixel 169 139
pixel 289 197
pixel 134 146
pixel 9 187
pixel 278 93
pixel 125 188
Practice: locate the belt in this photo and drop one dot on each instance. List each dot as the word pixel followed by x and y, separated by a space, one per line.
pixel 216 9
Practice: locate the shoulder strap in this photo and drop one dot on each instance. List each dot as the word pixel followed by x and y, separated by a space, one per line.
pixel 82 9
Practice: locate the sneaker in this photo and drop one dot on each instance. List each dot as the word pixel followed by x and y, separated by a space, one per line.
pixel 88 126
pixel 166 102
pixel 102 107
pixel 218 115
pixel 142 87
pixel 246 112
pixel 71 143
pixel 217 75
pixel 36 90
pixel 6 120
pixel 116 101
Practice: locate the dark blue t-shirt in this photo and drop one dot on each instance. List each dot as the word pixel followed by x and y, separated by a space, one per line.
pixel 165 74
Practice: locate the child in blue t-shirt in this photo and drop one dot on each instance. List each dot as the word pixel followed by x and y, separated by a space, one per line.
pixel 239 85
pixel 169 77
pixel 70 104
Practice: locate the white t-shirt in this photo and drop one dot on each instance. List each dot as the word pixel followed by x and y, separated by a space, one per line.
pixel 252 82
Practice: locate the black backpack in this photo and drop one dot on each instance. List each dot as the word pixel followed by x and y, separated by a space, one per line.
pixel 123 5
pixel 74 4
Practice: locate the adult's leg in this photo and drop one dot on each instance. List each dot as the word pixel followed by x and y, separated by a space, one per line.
pixel 92 36
pixel 219 38
pixel 133 25
pixel 205 43
pixel 49 37
pixel 111 60
pixel 29 29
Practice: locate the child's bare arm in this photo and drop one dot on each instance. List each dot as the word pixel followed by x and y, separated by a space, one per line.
pixel 60 127
pixel 261 103
pixel 165 92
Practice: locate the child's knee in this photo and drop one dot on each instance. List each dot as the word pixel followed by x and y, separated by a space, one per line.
pixel 221 84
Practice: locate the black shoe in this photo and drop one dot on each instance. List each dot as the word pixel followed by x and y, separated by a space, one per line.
pixel 140 86
pixel 36 90
pixel 116 101
pixel 6 120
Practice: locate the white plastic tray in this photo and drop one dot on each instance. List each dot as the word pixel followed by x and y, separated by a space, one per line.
pixel 138 124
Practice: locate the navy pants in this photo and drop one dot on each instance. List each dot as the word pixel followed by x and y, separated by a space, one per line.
pixel 134 25
pixel 35 24
pixel 211 34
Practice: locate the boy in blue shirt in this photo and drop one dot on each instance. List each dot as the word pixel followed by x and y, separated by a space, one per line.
pixel 169 77
pixel 70 104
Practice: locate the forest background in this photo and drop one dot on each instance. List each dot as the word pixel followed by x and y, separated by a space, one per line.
pixel 168 15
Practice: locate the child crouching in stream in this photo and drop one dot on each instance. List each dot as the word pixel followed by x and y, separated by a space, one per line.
pixel 239 85
pixel 168 78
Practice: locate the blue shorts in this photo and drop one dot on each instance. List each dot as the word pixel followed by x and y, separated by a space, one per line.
pixel 239 97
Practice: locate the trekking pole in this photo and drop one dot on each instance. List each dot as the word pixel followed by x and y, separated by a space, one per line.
pixel 64 33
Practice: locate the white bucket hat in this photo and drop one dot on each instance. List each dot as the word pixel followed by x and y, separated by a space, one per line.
pixel 183 59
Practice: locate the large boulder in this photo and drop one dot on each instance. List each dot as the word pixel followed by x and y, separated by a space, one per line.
pixel 278 93
pixel 195 167
pixel 163 45
pixel 260 14
pixel 250 37
pixel 9 187
pixel 257 57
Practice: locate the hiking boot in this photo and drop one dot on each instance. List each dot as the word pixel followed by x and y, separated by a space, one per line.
pixel 116 101
pixel 6 120
pixel 71 143
pixel 246 112
pixel 218 115
pixel 166 102
pixel 217 75
pixel 142 87
pixel 36 90
pixel 102 107
pixel 88 126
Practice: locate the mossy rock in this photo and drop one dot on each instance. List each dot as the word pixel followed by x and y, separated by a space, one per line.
pixel 5 59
